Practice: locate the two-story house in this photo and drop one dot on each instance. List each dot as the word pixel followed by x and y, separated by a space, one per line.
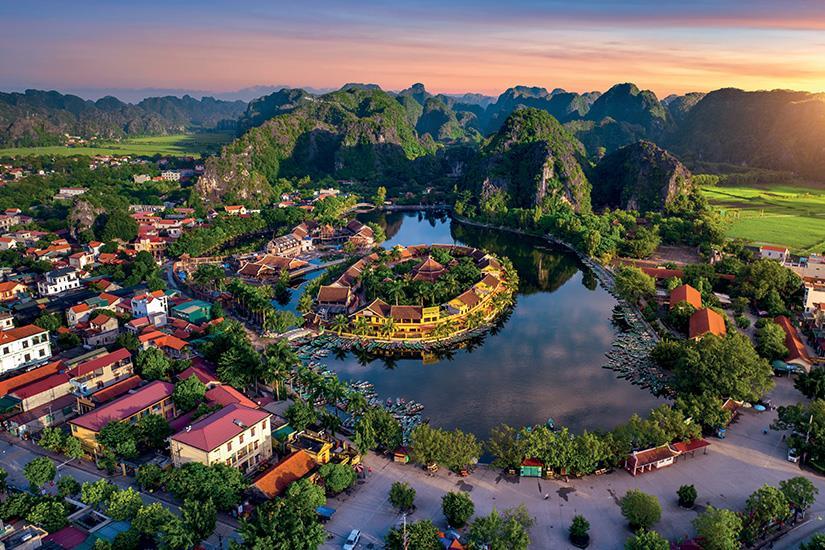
pixel 103 330
pixel 235 435
pixel 23 346
pixel 153 398
pixel 153 305
pixel 57 281
pixel 104 370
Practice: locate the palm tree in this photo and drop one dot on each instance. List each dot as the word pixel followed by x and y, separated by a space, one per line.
pixel 356 402
pixel 362 326
pixel 395 289
pixel 340 323
pixel 336 392
pixel 279 361
pixel 388 327
pixel 474 320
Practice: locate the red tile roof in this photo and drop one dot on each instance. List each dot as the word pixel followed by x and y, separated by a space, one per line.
pixel 203 375
pixel 277 478
pixel 14 334
pixel 100 362
pixel 660 273
pixel 651 456
pixel 796 349
pixel 227 395
pixel 117 389
pixel 126 406
pixel 333 294
pixel 705 321
pixel 219 427
pixel 692 445
pixel 774 248
pixel 10 384
pixel 42 385
pixel 685 293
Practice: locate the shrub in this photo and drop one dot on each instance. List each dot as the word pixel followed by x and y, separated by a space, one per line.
pixel 687 496
pixel 579 531
pixel 640 509
pixel 647 540
pixel 742 322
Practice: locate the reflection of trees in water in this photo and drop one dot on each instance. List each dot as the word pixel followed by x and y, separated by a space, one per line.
pixel 391 222
pixel 539 268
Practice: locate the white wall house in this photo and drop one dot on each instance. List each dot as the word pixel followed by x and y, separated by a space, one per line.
pixel 814 294
pixel 154 305
pixel 23 346
pixel 778 253
pixel 57 281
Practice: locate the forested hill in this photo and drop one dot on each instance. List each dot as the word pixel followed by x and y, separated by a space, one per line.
pixel 38 117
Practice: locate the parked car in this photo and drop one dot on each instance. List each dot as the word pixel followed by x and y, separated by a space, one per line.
pixel 793 455
pixel 352 539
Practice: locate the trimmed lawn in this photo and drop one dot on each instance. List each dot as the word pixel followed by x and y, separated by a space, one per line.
pixel 176 145
pixel 793 216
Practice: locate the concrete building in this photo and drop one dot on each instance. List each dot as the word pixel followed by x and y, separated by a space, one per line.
pixel 102 371
pixel 778 253
pixel 153 398
pixel 58 281
pixel 23 346
pixel 814 295
pixel 235 435
pixel 152 305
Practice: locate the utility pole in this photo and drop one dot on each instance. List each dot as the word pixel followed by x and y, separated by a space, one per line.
pixel 404 535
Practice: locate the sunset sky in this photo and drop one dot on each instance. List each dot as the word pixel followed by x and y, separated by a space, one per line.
pixel 450 45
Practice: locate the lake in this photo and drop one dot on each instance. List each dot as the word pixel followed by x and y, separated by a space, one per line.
pixel 543 362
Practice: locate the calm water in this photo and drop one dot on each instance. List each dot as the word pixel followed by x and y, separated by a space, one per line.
pixel 544 361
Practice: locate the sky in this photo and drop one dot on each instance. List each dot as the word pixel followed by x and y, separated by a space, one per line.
pixel 452 46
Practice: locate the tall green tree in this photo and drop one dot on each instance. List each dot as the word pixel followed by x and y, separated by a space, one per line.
pixel 39 471
pixel 188 393
pixel 200 517
pixel 719 528
pixel 458 508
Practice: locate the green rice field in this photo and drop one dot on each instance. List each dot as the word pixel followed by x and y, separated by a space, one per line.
pixel 789 215
pixel 177 145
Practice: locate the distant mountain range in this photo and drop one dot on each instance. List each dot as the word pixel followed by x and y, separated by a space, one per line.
pixel 778 130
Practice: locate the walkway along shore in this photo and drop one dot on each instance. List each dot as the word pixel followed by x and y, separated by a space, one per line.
pixel 630 353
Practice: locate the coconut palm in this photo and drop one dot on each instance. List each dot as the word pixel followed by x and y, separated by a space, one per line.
pixel 474 320
pixel 388 328
pixel 396 290
pixel 336 392
pixel 279 362
pixel 340 323
pixel 361 326
pixel 356 402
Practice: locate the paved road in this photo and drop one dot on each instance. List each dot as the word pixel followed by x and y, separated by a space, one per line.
pixel 732 470
pixel 15 454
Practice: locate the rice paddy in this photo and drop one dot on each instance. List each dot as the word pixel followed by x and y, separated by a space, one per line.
pixel 195 145
pixel 789 215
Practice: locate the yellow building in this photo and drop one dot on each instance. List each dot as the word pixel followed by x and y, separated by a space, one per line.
pixel 314 445
pixel 153 398
pixel 235 435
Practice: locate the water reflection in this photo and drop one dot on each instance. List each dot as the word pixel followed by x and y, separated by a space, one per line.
pixel 543 360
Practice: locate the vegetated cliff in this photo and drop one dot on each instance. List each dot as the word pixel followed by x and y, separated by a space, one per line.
pixel 563 105
pixel 641 176
pixel 262 109
pixel 42 118
pixel 354 133
pixel 778 130
pixel 678 106
pixel 534 160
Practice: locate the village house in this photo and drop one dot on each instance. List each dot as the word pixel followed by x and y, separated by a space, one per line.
pixel 706 321
pixel 58 281
pixel 153 398
pixel 235 435
pixel 270 266
pixel 274 480
pixel 35 399
pixel 171 345
pixel 102 396
pixel 170 175
pixel 685 293
pixel 6 320
pixel 102 371
pixel 68 193
pixel 12 290
pixel 7 243
pixel 287 245
pixel 23 346
pixel 193 311
pixel 797 353
pixel 79 260
pixel 778 253
pixel 333 300
pixel 154 245
pixel 814 294
pixel 235 210
pixel 102 330
pixel 152 305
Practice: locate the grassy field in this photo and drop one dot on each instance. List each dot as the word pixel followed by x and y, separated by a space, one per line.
pixel 789 215
pixel 177 145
